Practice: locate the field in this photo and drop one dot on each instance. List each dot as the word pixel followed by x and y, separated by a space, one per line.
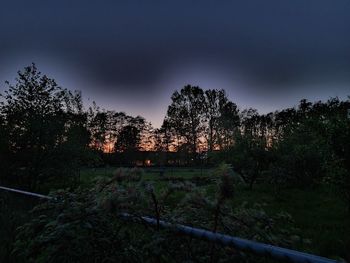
pixel 318 213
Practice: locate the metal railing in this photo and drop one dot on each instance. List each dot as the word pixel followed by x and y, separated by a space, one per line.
pixel 274 252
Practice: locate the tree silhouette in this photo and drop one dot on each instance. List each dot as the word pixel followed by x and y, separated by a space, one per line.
pixel 185 116
pixel 42 121
pixel 128 139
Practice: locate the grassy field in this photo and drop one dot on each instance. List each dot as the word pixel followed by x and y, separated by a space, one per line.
pixel 318 213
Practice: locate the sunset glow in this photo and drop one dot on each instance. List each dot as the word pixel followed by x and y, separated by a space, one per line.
pixel 108 147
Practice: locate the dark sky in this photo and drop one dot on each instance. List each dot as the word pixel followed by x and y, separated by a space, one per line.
pixel 131 55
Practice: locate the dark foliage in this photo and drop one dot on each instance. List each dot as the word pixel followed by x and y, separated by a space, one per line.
pixel 85 224
pixel 44 131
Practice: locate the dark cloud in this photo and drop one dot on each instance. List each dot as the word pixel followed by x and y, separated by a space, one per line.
pixel 125 46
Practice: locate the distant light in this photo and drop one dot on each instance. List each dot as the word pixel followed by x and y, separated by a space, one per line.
pixel 349 114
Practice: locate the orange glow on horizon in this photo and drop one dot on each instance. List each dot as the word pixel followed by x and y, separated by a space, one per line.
pixel 108 147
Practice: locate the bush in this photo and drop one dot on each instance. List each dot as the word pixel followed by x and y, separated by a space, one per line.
pixel 84 226
pixel 300 156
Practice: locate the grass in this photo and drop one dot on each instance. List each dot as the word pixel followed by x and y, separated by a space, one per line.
pixel 319 213
pixel 87 176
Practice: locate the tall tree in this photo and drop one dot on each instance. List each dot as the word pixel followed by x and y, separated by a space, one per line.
pixel 185 115
pixel 222 119
pixel 213 100
pixel 128 143
pixel 228 124
pixel 128 139
pixel 39 117
pixel 97 126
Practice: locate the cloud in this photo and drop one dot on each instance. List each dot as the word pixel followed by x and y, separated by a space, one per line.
pixel 126 48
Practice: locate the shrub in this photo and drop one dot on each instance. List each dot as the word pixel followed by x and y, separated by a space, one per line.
pixel 84 226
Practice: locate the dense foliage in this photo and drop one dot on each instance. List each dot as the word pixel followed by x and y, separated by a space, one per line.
pixel 85 224
pixel 44 128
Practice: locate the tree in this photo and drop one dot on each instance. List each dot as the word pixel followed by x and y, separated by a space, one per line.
pixel 221 118
pixel 338 131
pixel 40 118
pixel 302 155
pixel 249 157
pixel 228 124
pixel 213 101
pixel 98 129
pixel 128 139
pixel 185 116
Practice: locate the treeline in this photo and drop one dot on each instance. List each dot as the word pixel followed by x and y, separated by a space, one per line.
pixel 303 146
pixel 46 134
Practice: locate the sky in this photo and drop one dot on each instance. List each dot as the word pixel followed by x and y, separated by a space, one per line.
pixel 130 55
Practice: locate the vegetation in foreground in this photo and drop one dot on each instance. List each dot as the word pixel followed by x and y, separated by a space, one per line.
pixel 84 224
pixel 319 212
pixel 86 219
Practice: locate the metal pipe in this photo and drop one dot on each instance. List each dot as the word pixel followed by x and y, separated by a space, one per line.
pixel 24 192
pixel 274 252
pixel 278 253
